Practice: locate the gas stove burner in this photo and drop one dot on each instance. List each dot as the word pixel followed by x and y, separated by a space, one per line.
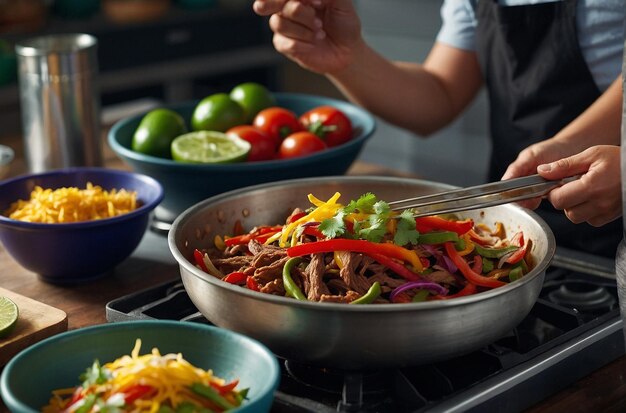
pixel 583 297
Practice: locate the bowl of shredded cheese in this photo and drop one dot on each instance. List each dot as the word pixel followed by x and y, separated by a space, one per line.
pixel 142 366
pixel 76 224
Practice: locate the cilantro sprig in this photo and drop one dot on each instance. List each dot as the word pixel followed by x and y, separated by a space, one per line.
pixel 374 227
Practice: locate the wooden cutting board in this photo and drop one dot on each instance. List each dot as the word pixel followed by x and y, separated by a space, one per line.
pixel 36 321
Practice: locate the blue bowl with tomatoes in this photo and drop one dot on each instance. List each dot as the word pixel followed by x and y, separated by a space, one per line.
pixel 186 184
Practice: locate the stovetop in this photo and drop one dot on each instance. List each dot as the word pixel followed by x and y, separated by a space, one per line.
pixel 573 329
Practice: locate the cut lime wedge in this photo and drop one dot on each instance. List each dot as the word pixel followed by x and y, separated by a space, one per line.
pixel 9 314
pixel 209 147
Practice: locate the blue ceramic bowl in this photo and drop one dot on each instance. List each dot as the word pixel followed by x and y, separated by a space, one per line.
pixel 187 184
pixel 29 378
pixel 73 252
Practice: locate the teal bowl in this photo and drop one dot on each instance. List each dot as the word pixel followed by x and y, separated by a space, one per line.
pixel 29 378
pixel 187 184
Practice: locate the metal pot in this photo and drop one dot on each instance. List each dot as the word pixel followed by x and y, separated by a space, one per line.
pixel 339 335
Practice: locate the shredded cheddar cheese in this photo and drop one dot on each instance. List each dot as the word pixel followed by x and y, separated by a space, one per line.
pixel 70 204
pixel 165 380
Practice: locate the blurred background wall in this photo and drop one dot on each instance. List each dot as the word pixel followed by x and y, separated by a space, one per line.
pixel 175 50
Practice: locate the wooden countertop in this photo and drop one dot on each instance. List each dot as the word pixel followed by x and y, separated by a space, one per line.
pixel 602 391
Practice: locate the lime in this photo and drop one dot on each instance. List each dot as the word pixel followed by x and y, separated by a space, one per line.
pixel 253 98
pixel 209 147
pixel 156 131
pixel 8 316
pixel 217 112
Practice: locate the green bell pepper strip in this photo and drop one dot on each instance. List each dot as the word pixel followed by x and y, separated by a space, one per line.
pixel 211 394
pixel 290 286
pixel 370 296
pixel 467 272
pixel 420 296
pixel 516 273
pixel 437 237
pixel 357 245
pixel 494 252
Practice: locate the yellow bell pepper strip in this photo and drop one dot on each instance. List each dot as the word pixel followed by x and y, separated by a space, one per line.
pixel 370 296
pixel 467 272
pixel 323 211
pixel 290 286
pixel 357 245
pixel 518 240
pixel 430 223
pixel 437 237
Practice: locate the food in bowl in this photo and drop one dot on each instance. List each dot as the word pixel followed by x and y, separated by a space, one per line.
pixel 72 204
pixel 249 112
pixel 364 252
pixel 147 383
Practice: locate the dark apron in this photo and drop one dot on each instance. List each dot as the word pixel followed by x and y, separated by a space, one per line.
pixel 538 82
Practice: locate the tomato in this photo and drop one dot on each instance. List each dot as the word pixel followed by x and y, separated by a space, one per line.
pixel 329 123
pixel 263 146
pixel 300 144
pixel 156 131
pixel 277 122
pixel 253 98
pixel 217 112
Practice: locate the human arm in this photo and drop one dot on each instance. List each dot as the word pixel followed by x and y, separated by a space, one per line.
pixel 324 36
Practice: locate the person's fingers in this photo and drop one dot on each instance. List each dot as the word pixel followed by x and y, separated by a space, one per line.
pixel 268 7
pixel 291 47
pixel 563 168
pixel 530 203
pixel 297 21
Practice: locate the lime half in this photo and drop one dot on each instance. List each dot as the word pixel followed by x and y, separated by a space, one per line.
pixel 209 147
pixel 8 316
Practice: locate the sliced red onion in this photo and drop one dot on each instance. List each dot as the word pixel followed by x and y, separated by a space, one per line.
pixel 448 265
pixel 504 258
pixel 422 285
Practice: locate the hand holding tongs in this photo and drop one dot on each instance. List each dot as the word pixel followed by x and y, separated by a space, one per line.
pixel 480 196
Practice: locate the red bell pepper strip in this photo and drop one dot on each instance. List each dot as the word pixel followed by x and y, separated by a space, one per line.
pixel 465 269
pixel 477 267
pixel 468 289
pixel 252 284
pixel 295 217
pixel 260 234
pixel 356 245
pixel 518 240
pixel 314 232
pixel 226 388
pixel 197 255
pixel 236 277
pixel 478 239
pixel 396 267
pixel 430 223
pixel 136 391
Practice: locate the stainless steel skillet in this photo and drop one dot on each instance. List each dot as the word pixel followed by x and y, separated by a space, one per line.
pixel 343 336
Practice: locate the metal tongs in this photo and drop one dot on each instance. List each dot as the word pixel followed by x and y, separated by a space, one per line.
pixel 480 196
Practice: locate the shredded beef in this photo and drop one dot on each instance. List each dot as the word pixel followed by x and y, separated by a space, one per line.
pixel 269 273
pixel 314 278
pixel 228 265
pixel 440 277
pixel 356 282
pixel 275 287
pixel 349 297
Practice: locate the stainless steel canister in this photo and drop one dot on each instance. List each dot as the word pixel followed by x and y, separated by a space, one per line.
pixel 60 101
